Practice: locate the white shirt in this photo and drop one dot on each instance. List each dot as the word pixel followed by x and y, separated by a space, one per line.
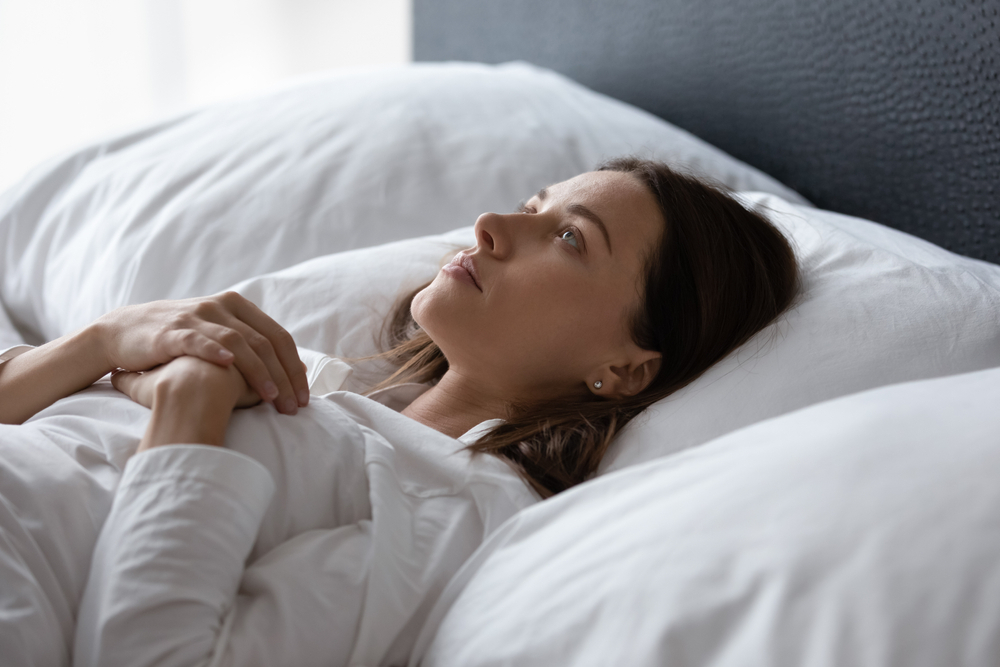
pixel 322 538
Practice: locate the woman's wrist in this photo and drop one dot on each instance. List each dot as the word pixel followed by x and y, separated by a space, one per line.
pixel 188 412
pixel 34 380
pixel 90 347
pixel 192 404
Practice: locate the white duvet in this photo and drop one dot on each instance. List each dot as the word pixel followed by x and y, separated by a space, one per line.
pixel 321 538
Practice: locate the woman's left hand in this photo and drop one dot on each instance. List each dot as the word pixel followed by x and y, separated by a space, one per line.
pixel 191 400
pixel 225 329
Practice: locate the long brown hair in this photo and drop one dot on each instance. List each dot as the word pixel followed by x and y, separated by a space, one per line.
pixel 719 274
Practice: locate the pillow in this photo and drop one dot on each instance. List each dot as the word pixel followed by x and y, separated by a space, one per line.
pixel 338 304
pixel 343 161
pixel 861 531
pixel 9 334
pixel 877 306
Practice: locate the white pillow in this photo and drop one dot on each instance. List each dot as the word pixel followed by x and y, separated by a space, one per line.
pixel 861 531
pixel 338 304
pixel 878 306
pixel 339 162
pixel 9 334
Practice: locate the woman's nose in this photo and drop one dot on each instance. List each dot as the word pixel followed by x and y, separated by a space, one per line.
pixel 493 234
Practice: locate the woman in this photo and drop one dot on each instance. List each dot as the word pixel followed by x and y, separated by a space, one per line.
pixel 600 296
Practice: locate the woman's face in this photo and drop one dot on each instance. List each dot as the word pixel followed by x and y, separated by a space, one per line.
pixel 540 307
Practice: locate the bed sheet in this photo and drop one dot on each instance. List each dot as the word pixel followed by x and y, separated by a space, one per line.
pixel 366 525
pixel 9 335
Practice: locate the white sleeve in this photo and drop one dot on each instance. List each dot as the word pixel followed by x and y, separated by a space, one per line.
pixel 169 559
pixel 11 352
pixel 324 373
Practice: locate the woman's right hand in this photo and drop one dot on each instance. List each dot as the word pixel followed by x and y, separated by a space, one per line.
pixel 191 400
pixel 225 329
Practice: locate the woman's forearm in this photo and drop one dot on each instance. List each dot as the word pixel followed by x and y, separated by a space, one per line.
pixel 225 330
pixel 32 381
pixel 167 566
pixel 197 413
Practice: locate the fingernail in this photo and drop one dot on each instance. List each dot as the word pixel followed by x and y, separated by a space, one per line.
pixel 303 397
pixel 271 390
pixel 225 354
pixel 289 406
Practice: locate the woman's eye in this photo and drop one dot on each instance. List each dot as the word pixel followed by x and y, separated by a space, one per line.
pixel 569 236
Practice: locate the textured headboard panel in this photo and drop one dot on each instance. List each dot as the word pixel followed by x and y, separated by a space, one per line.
pixel 889 110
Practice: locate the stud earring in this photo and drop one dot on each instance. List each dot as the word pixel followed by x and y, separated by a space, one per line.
pixel 598 384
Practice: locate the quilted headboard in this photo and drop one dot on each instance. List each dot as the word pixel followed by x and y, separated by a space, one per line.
pixel 886 110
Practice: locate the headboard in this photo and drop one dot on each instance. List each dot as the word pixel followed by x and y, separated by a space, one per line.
pixel 887 110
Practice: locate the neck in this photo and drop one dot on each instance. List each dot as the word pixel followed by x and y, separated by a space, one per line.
pixel 454 405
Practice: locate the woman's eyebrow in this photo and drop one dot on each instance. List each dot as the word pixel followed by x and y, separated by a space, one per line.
pixel 584 212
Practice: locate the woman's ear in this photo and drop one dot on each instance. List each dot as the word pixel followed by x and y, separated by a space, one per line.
pixel 627 379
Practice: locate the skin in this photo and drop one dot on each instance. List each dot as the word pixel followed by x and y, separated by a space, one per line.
pixel 548 318
pixel 552 316
pixel 192 401
pixel 224 331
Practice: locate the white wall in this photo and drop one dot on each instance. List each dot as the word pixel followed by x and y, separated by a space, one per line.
pixel 73 70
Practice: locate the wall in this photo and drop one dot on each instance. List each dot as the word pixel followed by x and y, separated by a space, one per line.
pixel 74 70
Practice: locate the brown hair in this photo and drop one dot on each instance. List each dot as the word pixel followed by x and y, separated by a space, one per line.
pixel 719 274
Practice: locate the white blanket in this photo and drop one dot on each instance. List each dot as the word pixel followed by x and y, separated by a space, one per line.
pixel 351 518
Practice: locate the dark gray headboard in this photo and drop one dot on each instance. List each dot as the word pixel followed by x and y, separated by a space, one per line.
pixel 885 109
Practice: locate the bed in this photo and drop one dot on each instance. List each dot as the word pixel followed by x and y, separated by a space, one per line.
pixel 826 495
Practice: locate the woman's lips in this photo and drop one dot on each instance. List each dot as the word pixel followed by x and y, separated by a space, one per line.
pixel 463 268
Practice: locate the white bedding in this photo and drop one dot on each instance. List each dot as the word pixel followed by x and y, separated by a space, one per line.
pixel 861 531
pixel 9 335
pixel 344 161
pixel 351 519
pixel 232 192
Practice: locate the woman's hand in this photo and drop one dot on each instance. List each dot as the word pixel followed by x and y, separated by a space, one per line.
pixel 186 374
pixel 191 400
pixel 225 329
